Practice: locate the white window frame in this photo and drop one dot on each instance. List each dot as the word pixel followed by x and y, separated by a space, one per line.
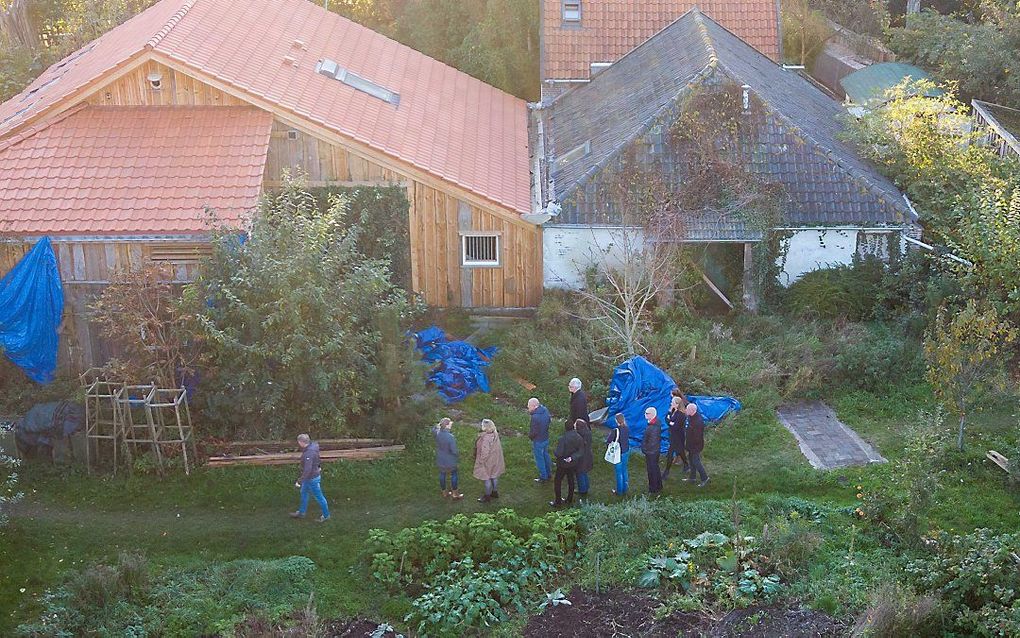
pixel 572 18
pixel 467 263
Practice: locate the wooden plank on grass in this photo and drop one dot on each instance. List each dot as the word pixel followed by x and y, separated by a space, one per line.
pixel 998 459
pixel 287 458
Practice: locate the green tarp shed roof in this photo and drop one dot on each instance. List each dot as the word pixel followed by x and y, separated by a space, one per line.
pixel 871 82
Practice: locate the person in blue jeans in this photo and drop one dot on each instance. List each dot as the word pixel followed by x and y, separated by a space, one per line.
pixel 447 458
pixel 539 435
pixel 587 462
pixel 621 434
pixel 310 482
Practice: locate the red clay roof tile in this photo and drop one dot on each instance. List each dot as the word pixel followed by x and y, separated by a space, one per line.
pixel 447 123
pixel 609 29
pixel 118 184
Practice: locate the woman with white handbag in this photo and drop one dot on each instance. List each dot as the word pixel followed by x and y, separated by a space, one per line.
pixel 618 453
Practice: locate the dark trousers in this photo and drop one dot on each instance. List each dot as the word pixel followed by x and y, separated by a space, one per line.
pixel 671 457
pixel 654 476
pixel 697 466
pixel 571 474
pixel 453 479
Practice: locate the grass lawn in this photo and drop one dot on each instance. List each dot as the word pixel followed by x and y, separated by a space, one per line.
pixel 68 519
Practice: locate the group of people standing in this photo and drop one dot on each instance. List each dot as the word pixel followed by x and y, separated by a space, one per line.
pixel 572 459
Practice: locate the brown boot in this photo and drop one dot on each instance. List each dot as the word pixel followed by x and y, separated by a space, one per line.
pixel 447 494
pixel 455 495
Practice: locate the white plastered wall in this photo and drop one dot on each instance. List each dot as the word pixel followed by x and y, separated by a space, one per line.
pixel 807 250
pixel 568 251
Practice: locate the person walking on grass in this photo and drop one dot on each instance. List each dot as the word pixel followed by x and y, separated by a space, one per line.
pixel 578 402
pixel 446 458
pixel 695 439
pixel 584 466
pixel 310 481
pixel 539 435
pixel 621 434
pixel 568 453
pixel 489 463
pixel 651 448
pixel 677 421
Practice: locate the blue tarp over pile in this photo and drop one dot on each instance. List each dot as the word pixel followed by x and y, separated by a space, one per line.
pixel 637 384
pixel 31 305
pixel 458 366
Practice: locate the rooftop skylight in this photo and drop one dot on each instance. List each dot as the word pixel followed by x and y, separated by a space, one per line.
pixel 331 69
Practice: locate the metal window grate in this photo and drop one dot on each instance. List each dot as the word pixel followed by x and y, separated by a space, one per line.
pixel 571 10
pixel 331 69
pixel 480 250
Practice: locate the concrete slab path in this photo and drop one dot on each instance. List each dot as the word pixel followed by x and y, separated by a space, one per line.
pixel 825 441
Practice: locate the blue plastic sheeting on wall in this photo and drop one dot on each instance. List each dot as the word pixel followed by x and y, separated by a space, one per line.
pixel 458 366
pixel 714 409
pixel 31 305
pixel 638 384
pixel 635 386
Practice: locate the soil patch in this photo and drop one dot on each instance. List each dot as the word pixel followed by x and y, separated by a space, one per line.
pixel 356 628
pixel 625 614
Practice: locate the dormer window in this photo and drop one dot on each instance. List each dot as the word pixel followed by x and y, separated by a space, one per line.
pixel 572 11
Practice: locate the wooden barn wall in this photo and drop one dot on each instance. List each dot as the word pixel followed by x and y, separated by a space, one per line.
pixel 85 270
pixel 436 220
pixel 176 89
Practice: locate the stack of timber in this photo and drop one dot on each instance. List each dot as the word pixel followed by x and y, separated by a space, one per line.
pixel 272 452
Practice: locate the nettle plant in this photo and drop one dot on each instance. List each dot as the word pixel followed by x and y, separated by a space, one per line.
pixel 724 567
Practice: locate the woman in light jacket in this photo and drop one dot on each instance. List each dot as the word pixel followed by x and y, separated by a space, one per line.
pixel 489 464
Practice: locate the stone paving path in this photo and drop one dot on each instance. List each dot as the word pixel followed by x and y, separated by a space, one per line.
pixel 825 441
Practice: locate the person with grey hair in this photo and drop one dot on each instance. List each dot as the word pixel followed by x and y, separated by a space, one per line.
pixel 539 435
pixel 310 481
pixel 651 447
pixel 489 463
pixel 447 458
pixel 578 403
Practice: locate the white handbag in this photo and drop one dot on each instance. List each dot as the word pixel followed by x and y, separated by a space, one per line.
pixel 613 450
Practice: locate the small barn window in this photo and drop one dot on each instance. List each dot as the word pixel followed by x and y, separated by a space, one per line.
pixel 480 250
pixel 574 154
pixel 571 10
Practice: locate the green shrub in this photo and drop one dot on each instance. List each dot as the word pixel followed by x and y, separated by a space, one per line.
pixel 977 576
pixel 895 611
pixel 788 544
pixel 124 600
pixel 842 292
pixel 876 358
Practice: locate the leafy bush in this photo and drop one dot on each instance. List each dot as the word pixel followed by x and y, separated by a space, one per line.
pixel 125 600
pixel 289 321
pixel 876 357
pixel 712 562
pixel 896 611
pixel 620 535
pixel 788 544
pixel 977 576
pixel 841 292
pixel 470 571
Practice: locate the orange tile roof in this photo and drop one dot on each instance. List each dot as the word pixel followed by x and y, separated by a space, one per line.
pixel 447 124
pixel 109 170
pixel 609 29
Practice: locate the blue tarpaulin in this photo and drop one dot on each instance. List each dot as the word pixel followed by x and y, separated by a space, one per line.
pixel 638 384
pixel 31 305
pixel 458 366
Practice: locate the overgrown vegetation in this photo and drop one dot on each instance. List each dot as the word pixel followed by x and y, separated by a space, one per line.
pixel 130 598
pixel 288 321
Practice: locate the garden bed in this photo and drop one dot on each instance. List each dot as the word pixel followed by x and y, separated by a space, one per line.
pixel 624 613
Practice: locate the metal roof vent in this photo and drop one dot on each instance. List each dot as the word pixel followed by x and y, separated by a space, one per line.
pixel 331 69
pixel 574 154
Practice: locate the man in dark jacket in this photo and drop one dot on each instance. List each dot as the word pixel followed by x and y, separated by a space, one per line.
pixel 539 435
pixel 578 402
pixel 695 434
pixel 569 450
pixel 677 421
pixel 587 461
pixel 311 477
pixel 651 448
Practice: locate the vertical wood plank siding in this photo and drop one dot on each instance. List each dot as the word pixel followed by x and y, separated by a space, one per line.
pixel 176 89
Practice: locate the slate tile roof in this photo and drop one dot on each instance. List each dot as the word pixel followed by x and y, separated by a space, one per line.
pixel 447 124
pixel 609 29
pixel 825 182
pixel 107 170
